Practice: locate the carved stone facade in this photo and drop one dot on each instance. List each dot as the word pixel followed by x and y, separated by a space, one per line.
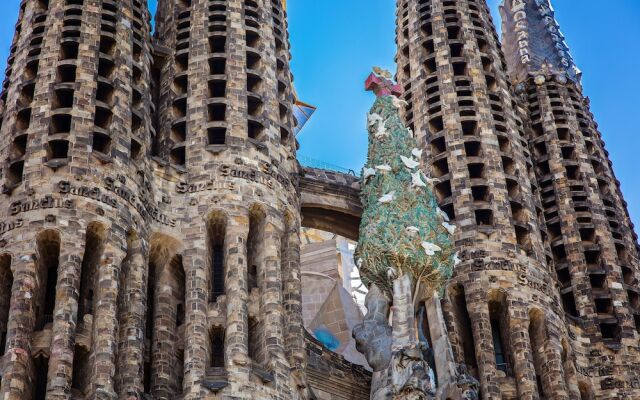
pixel 542 305
pixel 590 240
pixel 150 243
pixel 152 203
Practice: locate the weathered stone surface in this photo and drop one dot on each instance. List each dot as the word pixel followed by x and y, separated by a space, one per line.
pixel 144 178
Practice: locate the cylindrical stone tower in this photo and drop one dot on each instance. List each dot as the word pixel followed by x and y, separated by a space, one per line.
pixel 226 150
pixel 502 310
pixel 75 123
pixel 593 245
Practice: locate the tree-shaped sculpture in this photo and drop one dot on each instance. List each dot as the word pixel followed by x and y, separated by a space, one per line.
pixel 403 231
pixel 405 252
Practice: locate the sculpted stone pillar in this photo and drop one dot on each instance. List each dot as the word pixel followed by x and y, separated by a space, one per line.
pixel 444 362
pixel 523 367
pixel 292 287
pixel 163 346
pixel 105 323
pixel 554 373
pixel 272 311
pixel 483 339
pixel 65 319
pixel 195 352
pixel 132 320
pixel 236 338
pixel 16 379
pixel 373 339
pixel 409 370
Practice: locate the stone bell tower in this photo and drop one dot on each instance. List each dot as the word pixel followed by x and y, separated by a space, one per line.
pixel 503 313
pixel 150 241
pixel 226 147
pixel 76 112
pixel 593 249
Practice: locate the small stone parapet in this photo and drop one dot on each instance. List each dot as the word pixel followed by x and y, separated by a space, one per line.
pixel 331 377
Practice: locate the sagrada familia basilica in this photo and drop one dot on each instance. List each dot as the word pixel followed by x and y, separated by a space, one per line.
pixel 156 233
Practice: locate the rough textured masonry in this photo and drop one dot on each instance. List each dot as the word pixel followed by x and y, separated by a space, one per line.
pixel 152 203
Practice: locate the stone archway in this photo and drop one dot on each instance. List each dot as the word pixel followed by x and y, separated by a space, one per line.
pixel 330 201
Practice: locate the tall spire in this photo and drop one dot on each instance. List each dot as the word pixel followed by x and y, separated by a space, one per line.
pixel 532 40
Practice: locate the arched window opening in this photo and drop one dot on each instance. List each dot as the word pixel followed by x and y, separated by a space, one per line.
pixel 179 315
pixel 6 283
pixel 179 370
pixel 255 249
pixel 498 315
pixel 147 376
pixel 41 365
pixel 217 347
pixel 178 283
pixel 165 318
pixel 151 289
pixel 463 325
pixel 252 277
pixel 93 253
pixel 217 228
pixel 48 250
pixel 498 346
pixel 94 246
pixel 255 347
pixel 176 280
pixel 81 377
pixel 538 337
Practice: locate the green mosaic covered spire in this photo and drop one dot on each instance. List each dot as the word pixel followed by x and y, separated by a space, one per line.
pixel 403 231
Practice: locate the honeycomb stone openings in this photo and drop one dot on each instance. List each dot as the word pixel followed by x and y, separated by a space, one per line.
pixel 594 249
pixel 150 247
pixel 461 111
pixel 152 205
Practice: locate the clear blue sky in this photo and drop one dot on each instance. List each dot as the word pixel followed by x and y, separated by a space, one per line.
pixel 334 44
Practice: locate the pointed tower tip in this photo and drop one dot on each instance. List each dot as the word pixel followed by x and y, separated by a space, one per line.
pixel 532 41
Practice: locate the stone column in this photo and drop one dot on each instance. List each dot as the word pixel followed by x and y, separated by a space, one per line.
pixel 132 320
pixel 570 373
pixel 164 320
pixel 105 323
pixel 16 382
pixel 275 359
pixel 445 362
pixel 523 367
pixel 404 333
pixel 236 337
pixel 483 339
pixel 292 288
pixel 196 333
pixel 553 373
pixel 65 319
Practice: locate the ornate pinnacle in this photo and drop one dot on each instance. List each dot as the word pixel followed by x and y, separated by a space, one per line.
pixel 380 83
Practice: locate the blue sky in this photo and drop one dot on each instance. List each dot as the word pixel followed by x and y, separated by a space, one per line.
pixel 334 44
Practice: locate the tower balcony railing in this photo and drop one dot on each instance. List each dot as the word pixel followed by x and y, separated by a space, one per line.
pixel 313 163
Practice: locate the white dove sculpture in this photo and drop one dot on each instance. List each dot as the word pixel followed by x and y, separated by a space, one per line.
pixel 409 162
pixel 387 198
pixel 431 248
